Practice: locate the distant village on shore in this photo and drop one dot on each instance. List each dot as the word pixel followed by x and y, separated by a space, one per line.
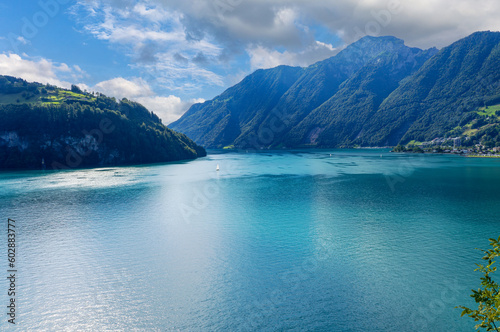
pixel 455 145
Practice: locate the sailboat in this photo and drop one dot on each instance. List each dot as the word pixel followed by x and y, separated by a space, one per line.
pixel 217 169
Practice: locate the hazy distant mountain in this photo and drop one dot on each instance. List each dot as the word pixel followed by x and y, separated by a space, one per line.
pixel 376 92
pixel 69 129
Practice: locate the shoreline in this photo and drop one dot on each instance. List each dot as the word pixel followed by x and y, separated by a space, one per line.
pixel 482 156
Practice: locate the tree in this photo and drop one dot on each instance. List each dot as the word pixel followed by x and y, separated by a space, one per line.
pixel 488 297
pixel 76 89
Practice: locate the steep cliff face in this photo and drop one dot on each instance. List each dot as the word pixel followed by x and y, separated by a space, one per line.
pixel 59 153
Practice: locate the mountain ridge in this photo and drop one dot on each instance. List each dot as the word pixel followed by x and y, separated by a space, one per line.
pixel 375 92
pixel 449 87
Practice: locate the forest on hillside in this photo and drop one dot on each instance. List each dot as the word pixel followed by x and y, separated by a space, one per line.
pixel 45 126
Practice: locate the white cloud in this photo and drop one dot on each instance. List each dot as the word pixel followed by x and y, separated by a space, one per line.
pixel 78 69
pixel 237 77
pixel 183 76
pixel 23 40
pixel 263 58
pixel 156 14
pixel 424 23
pixel 84 87
pixel 133 34
pixel 188 46
pixel 123 88
pixel 168 108
pixel 285 17
pixel 64 68
pixel 37 70
pixel 154 37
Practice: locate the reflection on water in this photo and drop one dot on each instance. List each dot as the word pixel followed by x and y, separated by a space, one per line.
pixel 307 240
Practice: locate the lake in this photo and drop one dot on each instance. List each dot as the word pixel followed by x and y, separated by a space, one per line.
pixel 324 240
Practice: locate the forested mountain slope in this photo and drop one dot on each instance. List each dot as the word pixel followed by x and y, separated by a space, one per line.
pixel 45 126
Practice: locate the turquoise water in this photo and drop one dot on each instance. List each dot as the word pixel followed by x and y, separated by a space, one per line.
pixel 360 240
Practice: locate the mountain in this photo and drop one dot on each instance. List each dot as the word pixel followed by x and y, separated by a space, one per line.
pixel 298 96
pixel 54 128
pixel 339 120
pixel 376 92
pixel 239 109
pixel 446 93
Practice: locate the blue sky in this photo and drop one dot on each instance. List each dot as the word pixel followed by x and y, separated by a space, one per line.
pixel 168 54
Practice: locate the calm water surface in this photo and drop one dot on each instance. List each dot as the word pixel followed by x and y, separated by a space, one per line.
pixel 353 241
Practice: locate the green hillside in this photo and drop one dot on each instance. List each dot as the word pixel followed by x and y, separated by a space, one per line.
pixel 305 104
pixel 376 92
pixel 446 93
pixel 43 126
